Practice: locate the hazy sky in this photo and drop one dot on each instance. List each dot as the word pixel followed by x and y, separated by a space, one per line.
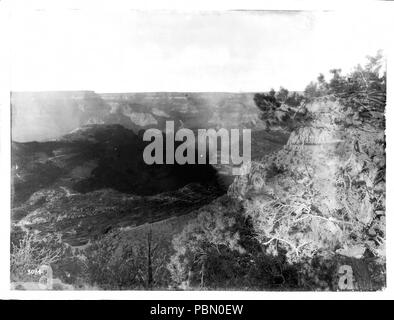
pixel 169 51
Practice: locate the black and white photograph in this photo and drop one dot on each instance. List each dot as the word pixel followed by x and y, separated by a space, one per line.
pixel 198 150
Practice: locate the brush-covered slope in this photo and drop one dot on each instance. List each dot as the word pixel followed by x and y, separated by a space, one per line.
pixel 95 178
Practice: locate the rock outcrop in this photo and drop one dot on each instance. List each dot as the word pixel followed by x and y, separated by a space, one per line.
pixel 323 193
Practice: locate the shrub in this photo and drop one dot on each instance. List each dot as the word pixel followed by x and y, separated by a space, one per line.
pixel 137 265
pixel 31 253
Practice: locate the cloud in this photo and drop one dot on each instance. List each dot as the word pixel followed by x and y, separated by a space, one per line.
pixel 172 51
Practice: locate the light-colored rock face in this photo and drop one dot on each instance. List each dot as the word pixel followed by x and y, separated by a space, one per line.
pixel 314 136
pixel 114 106
pixel 159 113
pixel 326 175
pixel 140 118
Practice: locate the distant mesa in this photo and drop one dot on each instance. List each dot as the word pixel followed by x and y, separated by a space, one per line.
pixel 43 116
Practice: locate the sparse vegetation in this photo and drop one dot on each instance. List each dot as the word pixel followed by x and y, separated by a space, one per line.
pixel 302 211
pixel 137 265
pixel 30 254
pixel 316 204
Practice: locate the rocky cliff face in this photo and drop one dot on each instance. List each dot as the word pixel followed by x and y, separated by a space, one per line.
pixel 313 206
pixel 323 193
